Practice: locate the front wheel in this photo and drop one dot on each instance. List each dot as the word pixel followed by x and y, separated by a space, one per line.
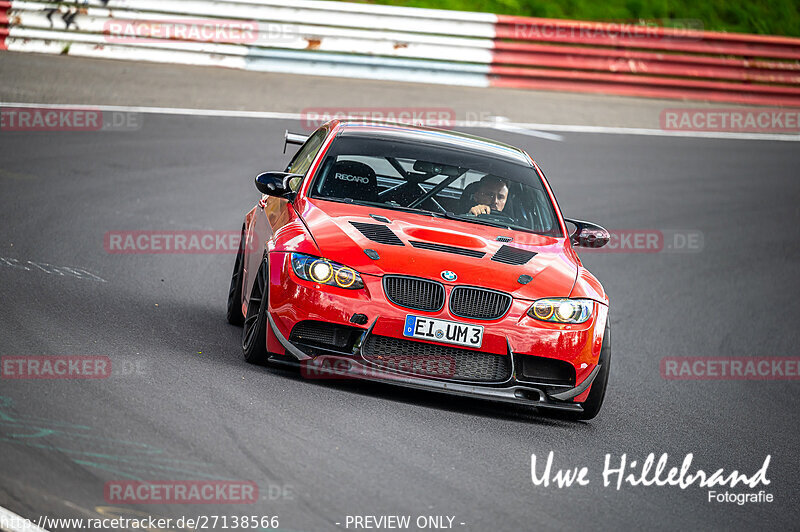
pixel 235 316
pixel 254 333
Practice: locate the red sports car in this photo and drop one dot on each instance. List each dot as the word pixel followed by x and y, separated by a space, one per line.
pixel 423 258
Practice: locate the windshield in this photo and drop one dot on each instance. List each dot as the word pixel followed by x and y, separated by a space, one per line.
pixel 436 181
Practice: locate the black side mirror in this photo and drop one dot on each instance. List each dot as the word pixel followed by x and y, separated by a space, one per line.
pixel 275 183
pixel 588 235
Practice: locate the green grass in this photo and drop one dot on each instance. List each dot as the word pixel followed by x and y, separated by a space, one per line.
pixel 768 17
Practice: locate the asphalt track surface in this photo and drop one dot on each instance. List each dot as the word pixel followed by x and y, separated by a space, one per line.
pixel 26 77
pixel 187 406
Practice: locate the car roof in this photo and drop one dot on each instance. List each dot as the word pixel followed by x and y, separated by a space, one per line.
pixel 428 136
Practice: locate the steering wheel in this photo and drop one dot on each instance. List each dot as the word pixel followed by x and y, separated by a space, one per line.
pixel 494 213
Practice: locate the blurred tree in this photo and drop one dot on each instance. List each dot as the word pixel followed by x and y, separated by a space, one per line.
pixel 769 17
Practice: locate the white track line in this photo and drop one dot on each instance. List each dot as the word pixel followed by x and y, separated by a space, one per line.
pixel 724 135
pixel 11 522
pixel 225 113
pixel 504 124
pixel 529 128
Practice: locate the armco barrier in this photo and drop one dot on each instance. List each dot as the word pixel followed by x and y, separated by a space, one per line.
pixel 412 44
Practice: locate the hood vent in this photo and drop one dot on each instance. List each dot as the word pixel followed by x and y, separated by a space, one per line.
pixel 448 249
pixel 378 233
pixel 513 256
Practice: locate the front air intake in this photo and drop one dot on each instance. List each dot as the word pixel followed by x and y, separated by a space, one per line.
pixel 546 370
pixel 436 360
pixel 324 335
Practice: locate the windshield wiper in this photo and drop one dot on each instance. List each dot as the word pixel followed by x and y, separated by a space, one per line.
pixel 475 220
pixel 512 227
pixel 411 209
pixel 389 206
pixel 447 215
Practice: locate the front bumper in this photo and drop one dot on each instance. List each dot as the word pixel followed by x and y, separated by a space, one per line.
pixel 293 300
pixel 331 366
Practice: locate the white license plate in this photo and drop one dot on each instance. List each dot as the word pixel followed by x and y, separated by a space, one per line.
pixel 449 332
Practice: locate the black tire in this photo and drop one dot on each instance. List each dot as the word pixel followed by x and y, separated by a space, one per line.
pixel 235 316
pixel 254 333
pixel 593 403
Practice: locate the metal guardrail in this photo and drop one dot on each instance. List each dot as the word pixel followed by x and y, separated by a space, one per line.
pixel 411 44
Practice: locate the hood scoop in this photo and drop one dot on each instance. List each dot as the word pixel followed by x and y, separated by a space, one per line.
pixel 448 249
pixel 513 256
pixel 378 233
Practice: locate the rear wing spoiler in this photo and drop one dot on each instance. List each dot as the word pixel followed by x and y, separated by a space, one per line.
pixel 293 138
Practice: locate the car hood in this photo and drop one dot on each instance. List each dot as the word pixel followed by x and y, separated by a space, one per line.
pixel 333 225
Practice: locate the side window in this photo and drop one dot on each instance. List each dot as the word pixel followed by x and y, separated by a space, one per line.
pixel 302 160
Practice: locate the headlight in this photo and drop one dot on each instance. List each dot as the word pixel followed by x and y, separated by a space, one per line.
pixel 323 271
pixel 562 310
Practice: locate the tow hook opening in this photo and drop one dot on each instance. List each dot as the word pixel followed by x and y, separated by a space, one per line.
pixel 529 395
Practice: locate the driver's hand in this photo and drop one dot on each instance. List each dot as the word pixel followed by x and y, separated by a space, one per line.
pixel 480 209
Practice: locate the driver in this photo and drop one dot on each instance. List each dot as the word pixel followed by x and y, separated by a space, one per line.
pixel 491 194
